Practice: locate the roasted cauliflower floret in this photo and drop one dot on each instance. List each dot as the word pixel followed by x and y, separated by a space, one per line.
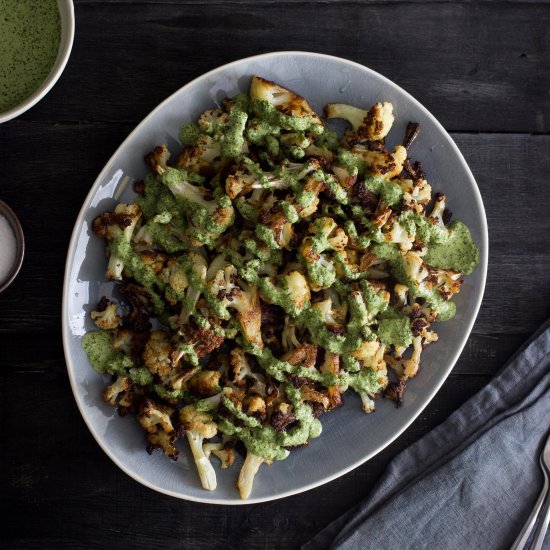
pixel 305 355
pixel 255 406
pixel 307 200
pixel 298 290
pixel 163 441
pixel 223 451
pixel 244 300
pixel 154 417
pixel 178 378
pixel 107 319
pixel 202 340
pixel 416 193
pixel 379 121
pixel 288 336
pixel 240 183
pixel 381 163
pixel 274 228
pixel 174 275
pixel 247 176
pixel 208 215
pixel 399 235
pixel 119 386
pixel 407 368
pixel 205 383
pixel 438 211
pixel 158 158
pixel 117 228
pixel 123 341
pixel 447 281
pixel 199 426
pixel 332 314
pixel 371 125
pixel 354 264
pixel 204 158
pixel 326 236
pixel 346 176
pixel 401 293
pixel 213 121
pixel 198 268
pixel 284 101
pixel 331 365
pixel 240 367
pixel 250 468
pixel 157 354
pixel 371 354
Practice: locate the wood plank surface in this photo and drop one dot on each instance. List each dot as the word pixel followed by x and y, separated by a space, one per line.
pixel 482 68
pixel 136 56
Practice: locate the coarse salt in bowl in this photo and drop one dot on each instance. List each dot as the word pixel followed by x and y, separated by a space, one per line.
pixel 12 246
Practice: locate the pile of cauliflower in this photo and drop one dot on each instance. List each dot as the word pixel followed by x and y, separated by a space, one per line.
pixel 255 250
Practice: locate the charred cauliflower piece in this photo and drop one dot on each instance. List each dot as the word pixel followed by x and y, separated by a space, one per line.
pixel 284 101
pixel 174 276
pixel 225 453
pixel 199 426
pixel 382 163
pixel 213 121
pixel 119 386
pixel 158 159
pixel 240 367
pixel 298 290
pixel 209 216
pixel 196 267
pixel 371 125
pixel 205 383
pixel 117 228
pixel 326 236
pixel 157 355
pixel 244 300
pixel 154 417
pixel 204 158
pixel 107 319
pixel 163 441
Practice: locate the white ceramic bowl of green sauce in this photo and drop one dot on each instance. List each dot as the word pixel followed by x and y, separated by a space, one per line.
pixel 36 38
pixel 350 437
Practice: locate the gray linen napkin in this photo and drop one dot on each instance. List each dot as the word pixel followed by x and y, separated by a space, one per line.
pixel 472 481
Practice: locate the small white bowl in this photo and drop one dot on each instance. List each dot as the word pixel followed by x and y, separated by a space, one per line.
pixel 66 10
pixel 15 224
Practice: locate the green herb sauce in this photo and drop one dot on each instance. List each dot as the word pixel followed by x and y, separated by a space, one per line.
pixel 30 32
pixel 98 346
pixel 457 251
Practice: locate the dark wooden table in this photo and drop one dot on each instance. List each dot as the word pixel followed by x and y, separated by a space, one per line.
pixel 483 69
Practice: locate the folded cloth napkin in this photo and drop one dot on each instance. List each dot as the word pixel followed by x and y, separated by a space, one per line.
pixel 470 483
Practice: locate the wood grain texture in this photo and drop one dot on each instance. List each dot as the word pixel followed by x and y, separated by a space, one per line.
pixel 480 67
pixel 495 81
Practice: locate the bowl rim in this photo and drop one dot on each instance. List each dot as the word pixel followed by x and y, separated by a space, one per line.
pixel 483 246
pixel 17 228
pixel 66 12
